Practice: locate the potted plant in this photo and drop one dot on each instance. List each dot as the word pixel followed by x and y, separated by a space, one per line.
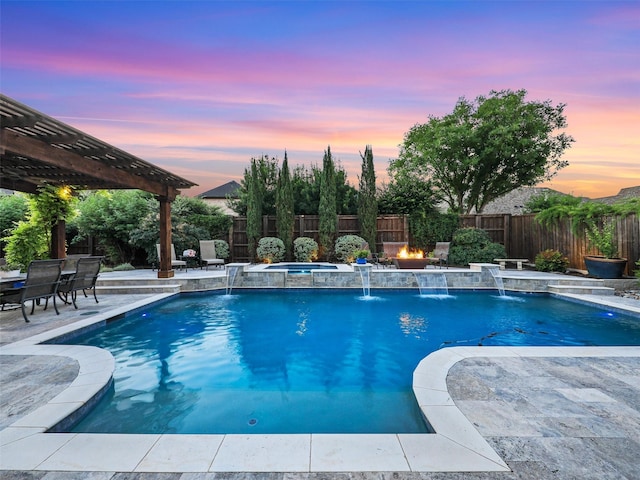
pixel 595 221
pixel 361 256
pixel 10 270
pixel 607 265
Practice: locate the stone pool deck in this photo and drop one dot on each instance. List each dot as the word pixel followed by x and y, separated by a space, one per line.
pixel 548 413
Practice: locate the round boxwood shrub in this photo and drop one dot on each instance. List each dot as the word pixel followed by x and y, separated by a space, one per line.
pixel 473 245
pixel 305 249
pixel 270 249
pixel 347 245
pixel 551 261
pixel 222 249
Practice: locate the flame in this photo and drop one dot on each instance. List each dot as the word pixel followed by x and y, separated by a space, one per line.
pixel 405 253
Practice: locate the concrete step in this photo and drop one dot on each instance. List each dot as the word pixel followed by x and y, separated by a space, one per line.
pixel 132 289
pixel 581 289
pixel 595 282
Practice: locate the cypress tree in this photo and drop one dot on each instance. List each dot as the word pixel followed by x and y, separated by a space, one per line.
pixel 327 210
pixel 367 203
pixel 254 208
pixel 284 208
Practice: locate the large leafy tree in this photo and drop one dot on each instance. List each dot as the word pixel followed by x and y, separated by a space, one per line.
pixel 13 209
pixel 112 217
pixel 266 173
pixel 367 202
pixel 327 210
pixel 306 191
pixel 486 148
pixel 192 220
pixel 284 208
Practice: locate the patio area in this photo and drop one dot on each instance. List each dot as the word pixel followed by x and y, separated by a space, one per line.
pixel 571 412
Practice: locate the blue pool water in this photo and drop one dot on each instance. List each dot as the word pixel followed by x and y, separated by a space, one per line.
pixel 311 361
pixel 300 267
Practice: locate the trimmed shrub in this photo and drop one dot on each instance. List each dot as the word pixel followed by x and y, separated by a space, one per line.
pixel 551 261
pixel 346 247
pixel 222 249
pixel 270 249
pixel 473 245
pixel 305 249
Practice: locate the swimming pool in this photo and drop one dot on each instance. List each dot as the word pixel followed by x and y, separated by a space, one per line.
pixel 312 361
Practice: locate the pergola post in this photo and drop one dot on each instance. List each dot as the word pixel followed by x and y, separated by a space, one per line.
pixel 165 270
pixel 58 240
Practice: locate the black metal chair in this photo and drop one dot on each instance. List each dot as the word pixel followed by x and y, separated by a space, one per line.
pixel 43 279
pixel 84 278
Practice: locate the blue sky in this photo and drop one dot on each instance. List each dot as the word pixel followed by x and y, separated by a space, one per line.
pixel 201 87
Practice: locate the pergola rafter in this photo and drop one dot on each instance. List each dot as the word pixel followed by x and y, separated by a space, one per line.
pixel 36 149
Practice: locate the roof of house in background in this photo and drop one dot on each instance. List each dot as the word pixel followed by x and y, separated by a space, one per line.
pixel 514 202
pixel 623 194
pixel 229 189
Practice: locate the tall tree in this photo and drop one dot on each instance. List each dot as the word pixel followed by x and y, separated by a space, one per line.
pixel 267 173
pixel 284 208
pixel 367 203
pixel 254 207
pixel 328 216
pixel 486 148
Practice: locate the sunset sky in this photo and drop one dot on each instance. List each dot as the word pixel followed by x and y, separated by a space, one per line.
pixel 198 88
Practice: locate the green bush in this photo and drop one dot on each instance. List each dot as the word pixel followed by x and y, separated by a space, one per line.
pixel 473 245
pixel 432 227
pixel 270 249
pixel 638 271
pixel 222 249
pixel 551 261
pixel 305 249
pixel 346 247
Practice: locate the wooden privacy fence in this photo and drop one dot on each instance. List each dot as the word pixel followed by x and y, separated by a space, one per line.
pixel 521 235
pixel 391 228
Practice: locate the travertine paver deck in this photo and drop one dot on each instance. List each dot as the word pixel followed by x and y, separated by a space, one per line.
pixel 547 417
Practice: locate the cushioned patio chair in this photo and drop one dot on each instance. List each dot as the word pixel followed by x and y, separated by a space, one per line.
pixel 208 254
pixel 440 254
pixel 43 278
pixel 174 260
pixel 84 278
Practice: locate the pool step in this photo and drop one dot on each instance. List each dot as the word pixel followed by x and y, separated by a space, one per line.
pixel 582 289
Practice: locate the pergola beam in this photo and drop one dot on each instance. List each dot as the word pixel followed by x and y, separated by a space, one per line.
pixel 14 143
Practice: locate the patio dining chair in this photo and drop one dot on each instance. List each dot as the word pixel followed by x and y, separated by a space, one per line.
pixel 43 278
pixel 208 254
pixel 84 278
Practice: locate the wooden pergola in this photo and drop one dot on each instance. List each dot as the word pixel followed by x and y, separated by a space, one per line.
pixel 36 149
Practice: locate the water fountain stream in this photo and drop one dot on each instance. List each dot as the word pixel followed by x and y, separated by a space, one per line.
pixel 432 283
pixel 495 273
pixel 232 270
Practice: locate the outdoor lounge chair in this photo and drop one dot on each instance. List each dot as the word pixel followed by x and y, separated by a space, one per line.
pixel 43 278
pixel 84 278
pixel 440 254
pixel 208 254
pixel 174 260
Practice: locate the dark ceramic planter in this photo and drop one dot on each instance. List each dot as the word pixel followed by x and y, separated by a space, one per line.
pixel 361 261
pixel 601 267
